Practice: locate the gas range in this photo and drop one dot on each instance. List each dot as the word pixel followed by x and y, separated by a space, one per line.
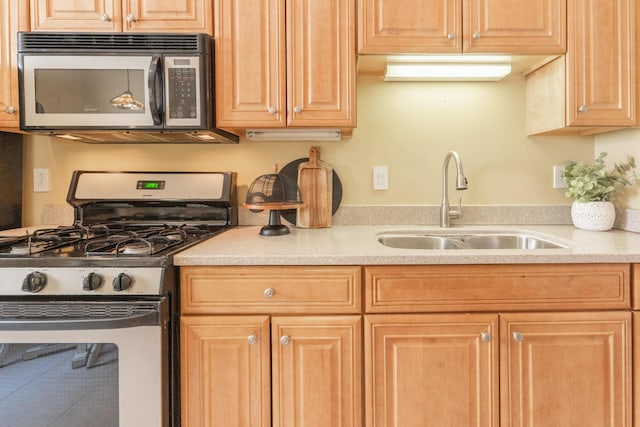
pixel 127 227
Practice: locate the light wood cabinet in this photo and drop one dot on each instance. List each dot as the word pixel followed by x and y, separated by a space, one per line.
pixel 452 26
pixel 122 15
pixel 13 18
pixel 431 370
pixel 226 371
pixel 567 364
pixel 592 89
pixel 565 369
pixel 272 369
pixel 285 63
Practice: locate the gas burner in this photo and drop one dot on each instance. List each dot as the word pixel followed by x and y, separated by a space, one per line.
pixel 173 234
pixel 139 247
pixel 20 250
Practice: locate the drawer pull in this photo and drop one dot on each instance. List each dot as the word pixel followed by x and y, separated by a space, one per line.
pixel 518 337
pixel 269 292
pixel 252 339
pixel 486 337
pixel 285 340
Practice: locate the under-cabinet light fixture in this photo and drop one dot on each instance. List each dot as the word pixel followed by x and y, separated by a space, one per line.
pixel 447 68
pixel 294 134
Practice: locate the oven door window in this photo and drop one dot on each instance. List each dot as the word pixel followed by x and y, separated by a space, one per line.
pixel 76 91
pixel 61 384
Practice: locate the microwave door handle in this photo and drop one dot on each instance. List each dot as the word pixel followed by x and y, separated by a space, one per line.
pixel 155 85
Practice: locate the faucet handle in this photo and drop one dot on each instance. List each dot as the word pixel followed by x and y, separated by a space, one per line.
pixel 457 213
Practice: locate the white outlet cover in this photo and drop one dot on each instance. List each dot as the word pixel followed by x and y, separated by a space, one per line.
pixel 41 180
pixel 558 180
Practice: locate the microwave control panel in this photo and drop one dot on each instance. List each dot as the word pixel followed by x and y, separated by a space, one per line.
pixel 183 91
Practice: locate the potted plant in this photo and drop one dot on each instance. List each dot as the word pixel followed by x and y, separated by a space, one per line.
pixel 593 189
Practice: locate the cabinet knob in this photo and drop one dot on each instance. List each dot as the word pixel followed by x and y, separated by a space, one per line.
pixel 272 110
pixel 252 339
pixel 486 337
pixel 10 109
pixel 476 35
pixel 285 340
pixel 583 109
pixel 297 109
pixel 451 36
pixel 518 337
pixel 131 19
pixel 105 18
pixel 269 292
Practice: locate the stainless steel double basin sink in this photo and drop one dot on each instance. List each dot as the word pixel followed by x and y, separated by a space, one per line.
pixel 471 240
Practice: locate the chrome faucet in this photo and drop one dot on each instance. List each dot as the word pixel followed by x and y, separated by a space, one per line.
pixel 461 184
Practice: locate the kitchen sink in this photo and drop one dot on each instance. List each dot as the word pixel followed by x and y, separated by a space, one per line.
pixel 467 241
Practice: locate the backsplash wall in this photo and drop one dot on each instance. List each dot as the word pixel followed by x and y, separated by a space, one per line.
pixel 408 127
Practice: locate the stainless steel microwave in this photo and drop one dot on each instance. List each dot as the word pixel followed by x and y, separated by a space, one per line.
pixel 118 87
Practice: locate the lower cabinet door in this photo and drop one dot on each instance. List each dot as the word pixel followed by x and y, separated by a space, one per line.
pixel 431 370
pixel 317 363
pixel 565 369
pixel 225 371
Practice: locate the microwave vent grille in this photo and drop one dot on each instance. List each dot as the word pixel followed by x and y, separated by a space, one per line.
pixel 91 42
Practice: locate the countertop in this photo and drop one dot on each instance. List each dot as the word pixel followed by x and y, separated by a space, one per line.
pixel 358 245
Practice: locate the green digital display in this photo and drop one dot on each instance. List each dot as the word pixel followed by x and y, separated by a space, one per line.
pixel 150 185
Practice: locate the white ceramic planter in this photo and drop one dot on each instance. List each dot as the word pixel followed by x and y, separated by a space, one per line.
pixel 593 216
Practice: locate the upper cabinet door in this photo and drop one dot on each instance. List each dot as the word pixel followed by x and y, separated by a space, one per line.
pixel 192 16
pixel 13 18
pixel 518 26
pixel 321 63
pixel 409 26
pixel 76 15
pixel 250 63
pixel 601 63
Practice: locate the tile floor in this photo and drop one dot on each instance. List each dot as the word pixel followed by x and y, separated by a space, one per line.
pixel 47 392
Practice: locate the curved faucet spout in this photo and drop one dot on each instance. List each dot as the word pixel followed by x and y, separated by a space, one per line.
pixel 461 184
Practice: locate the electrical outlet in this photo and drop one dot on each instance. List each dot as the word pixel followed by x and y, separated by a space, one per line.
pixel 41 180
pixel 558 180
pixel 381 177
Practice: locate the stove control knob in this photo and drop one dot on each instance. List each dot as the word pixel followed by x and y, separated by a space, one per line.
pixel 122 282
pixel 34 282
pixel 91 282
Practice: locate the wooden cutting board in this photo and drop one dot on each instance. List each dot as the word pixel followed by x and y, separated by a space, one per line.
pixel 315 185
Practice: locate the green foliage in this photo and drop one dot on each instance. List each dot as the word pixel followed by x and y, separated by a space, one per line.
pixel 592 183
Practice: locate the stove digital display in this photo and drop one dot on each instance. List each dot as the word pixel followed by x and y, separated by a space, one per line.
pixel 150 185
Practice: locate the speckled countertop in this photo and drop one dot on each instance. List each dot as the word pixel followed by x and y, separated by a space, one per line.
pixel 358 245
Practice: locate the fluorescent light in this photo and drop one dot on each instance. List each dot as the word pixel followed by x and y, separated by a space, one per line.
pixel 294 134
pixel 70 137
pixel 449 68
pixel 466 58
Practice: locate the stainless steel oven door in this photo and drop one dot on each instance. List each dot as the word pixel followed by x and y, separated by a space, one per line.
pixel 76 364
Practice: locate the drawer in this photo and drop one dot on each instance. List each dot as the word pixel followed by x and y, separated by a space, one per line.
pixel 270 289
pixel 409 289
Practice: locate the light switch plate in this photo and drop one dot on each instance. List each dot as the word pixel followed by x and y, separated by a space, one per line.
pixel 381 177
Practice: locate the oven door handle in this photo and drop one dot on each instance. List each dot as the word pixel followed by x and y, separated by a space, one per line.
pixel 151 318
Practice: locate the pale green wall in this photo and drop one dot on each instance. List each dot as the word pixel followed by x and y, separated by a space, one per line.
pixel 406 126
